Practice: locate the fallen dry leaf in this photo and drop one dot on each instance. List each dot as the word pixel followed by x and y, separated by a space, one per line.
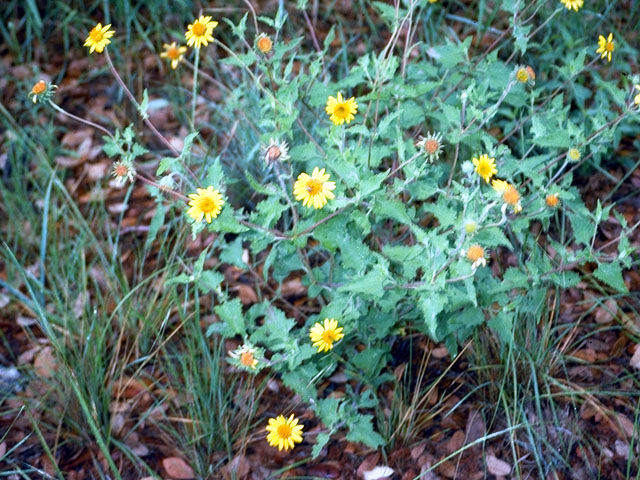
pixel 378 472
pixel 497 467
pixel 177 468
pixel 45 363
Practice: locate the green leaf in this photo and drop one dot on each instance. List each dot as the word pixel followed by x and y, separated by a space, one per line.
pixel 327 410
pixel 492 237
pixel 321 440
pixel 583 228
pixel 611 274
pixel 156 222
pixel 361 430
pixel 144 105
pixel 230 312
pixel 431 305
pixel 209 281
pixel 502 323
pixel 370 284
pixel 233 254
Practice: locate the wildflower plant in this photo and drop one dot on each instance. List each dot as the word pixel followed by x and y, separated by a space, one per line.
pixel 381 237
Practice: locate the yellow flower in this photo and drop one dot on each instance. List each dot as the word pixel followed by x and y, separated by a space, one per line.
pixel 552 200
pixel 575 4
pixel 284 433
pixel 341 110
pixel 200 32
pixel 174 53
pixel 264 43
pixel 485 166
pixel 433 1
pixel 206 203
pixel 636 99
pixel 323 336
pixel 605 46
pixel 314 190
pixel 499 185
pixel 574 154
pixel 99 38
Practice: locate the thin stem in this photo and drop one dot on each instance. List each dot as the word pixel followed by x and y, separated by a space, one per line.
pixel 194 89
pixel 81 120
pixel 162 188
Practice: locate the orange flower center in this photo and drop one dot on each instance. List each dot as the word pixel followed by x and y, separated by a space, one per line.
pixel 476 252
pixel 39 87
pixel 96 35
pixel 552 200
pixel 198 29
pixel 284 431
pixel 511 195
pixel 314 187
pixel 341 111
pixel 264 44
pixel 207 205
pixel 173 53
pixel 247 359
pixel 431 146
pixel 328 336
pixel 609 46
pixel 121 170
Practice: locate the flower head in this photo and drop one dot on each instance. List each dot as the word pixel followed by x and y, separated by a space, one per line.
pixel 470 227
pixel 206 203
pixel 340 110
pixel 525 74
pixel 431 145
pixel 636 99
pixel 323 335
pixel 99 38
pixel 247 357
pixel 284 433
pixel 314 190
pixel 174 53
pixel 123 171
pixel 512 197
pixel 552 200
pixel 264 43
pixel 499 185
pixel 574 155
pixel 475 254
pixel 605 46
pixel 275 151
pixel 575 4
pixel 42 91
pixel 200 32
pixel 485 166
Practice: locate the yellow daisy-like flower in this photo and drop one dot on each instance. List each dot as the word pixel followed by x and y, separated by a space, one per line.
pixel 575 4
pixel 324 335
pixel 340 110
pixel 174 53
pixel 314 190
pixel 499 185
pixel 284 433
pixel 636 99
pixel 99 38
pixel 200 32
pixel 605 46
pixel 485 166
pixel 206 203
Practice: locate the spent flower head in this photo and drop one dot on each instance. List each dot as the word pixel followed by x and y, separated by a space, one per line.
pixel 275 151
pixel 263 43
pixel 99 38
pixel 247 357
pixel 605 46
pixel 431 145
pixel 572 4
pixel 200 32
pixel 552 200
pixel 314 190
pixel 283 432
pixel 42 91
pixel 123 171
pixel 340 110
pixel 323 335
pixel 485 166
pixel 476 255
pixel 206 203
pixel 173 53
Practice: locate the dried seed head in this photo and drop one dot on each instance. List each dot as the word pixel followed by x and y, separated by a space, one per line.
pixel 275 151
